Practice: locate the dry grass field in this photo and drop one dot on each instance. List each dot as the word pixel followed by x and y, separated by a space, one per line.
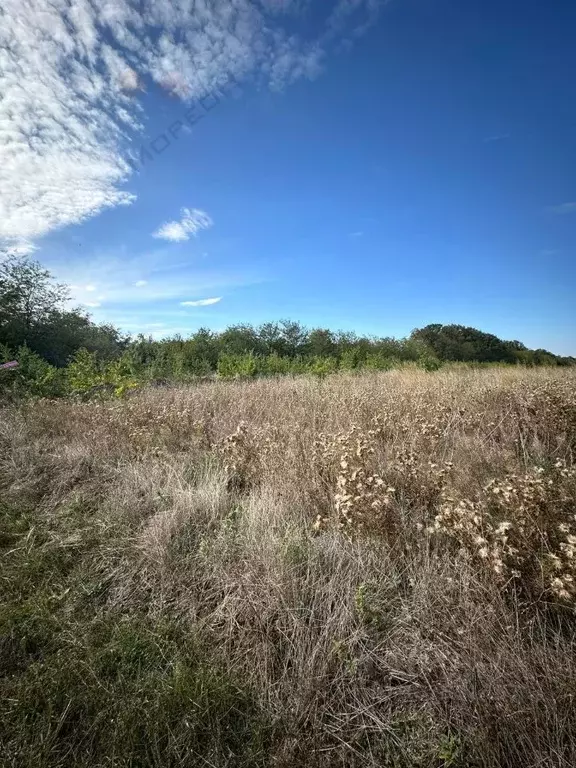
pixel 372 570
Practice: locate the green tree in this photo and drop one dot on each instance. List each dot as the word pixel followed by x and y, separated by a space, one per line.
pixel 65 332
pixel 241 339
pixel 32 313
pixel 293 336
pixel 321 343
pixel 28 297
pixel 461 343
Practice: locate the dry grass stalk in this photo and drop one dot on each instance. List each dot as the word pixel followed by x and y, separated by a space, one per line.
pixel 371 570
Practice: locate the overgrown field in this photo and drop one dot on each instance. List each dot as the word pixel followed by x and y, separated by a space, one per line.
pixel 373 570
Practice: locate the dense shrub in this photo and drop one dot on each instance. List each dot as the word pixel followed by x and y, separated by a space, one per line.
pixel 33 319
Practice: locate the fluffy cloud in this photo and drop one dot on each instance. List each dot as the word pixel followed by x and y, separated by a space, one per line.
pixel 71 71
pixel 192 222
pixel 201 302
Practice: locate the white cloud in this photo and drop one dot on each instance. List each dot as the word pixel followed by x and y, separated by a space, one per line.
pixel 129 80
pixel 192 222
pixel 92 304
pixel 20 247
pixel 563 208
pixel 360 233
pixel 140 283
pixel 62 115
pixel 71 71
pixel 201 302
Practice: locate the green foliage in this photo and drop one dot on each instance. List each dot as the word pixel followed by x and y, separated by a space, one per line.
pixel 430 363
pixel 34 377
pixel 450 750
pixel 119 374
pixel 87 375
pixel 349 360
pixel 100 360
pixel 237 366
pixel 239 340
pixel 27 298
pixel 464 344
pixel 153 696
pixel 84 372
pixel 274 365
pixel 32 313
pixel 378 362
pixel 323 366
pixel 321 343
pixel 364 600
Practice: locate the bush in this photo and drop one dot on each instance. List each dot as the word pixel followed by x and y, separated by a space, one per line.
pixel 84 372
pixel 378 362
pixel 430 363
pixel 237 366
pixel 349 360
pixel 323 366
pixel 34 377
pixel 274 365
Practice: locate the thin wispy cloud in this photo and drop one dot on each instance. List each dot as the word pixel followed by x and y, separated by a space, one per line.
pixel 128 299
pixel 496 137
pixel 360 233
pixel 563 209
pixel 353 16
pixel 191 222
pixel 201 302
pixel 71 74
pixel 284 6
pixel 19 247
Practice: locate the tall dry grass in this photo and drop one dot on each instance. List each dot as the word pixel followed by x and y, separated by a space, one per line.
pixel 361 571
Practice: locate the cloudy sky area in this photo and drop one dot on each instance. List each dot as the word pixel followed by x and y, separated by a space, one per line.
pixel 365 164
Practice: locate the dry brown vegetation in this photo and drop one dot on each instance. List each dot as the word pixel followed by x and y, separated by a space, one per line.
pixel 363 571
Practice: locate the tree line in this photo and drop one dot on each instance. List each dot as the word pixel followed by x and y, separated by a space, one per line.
pixel 60 349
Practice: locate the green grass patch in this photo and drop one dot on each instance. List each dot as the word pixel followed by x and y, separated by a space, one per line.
pixel 119 690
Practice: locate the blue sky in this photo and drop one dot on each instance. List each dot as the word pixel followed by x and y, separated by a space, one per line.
pixel 358 164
